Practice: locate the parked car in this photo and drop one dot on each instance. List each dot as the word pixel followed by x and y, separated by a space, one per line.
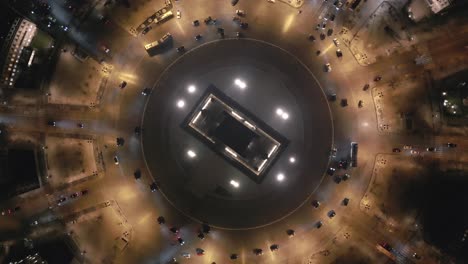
pixel 274 247
pixel 178 14
pixel 345 201
pixel 116 160
pixel 331 213
pixel 154 186
pixel 198 37
pixel 319 224
pixel 336 42
pixel 240 12
pixel 290 233
pixel 451 145
pixel 316 203
pixel 181 49
pixel 327 67
pixel 234 2
pixel 196 23
pixel 258 251
pixel 146 91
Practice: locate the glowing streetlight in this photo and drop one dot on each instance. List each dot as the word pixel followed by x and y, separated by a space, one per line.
pixel 191 154
pixel 191 89
pixel 180 103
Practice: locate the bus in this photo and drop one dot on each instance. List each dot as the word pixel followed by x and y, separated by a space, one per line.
pixel 164 17
pixel 151 47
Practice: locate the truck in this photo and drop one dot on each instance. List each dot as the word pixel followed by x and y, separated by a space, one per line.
pixel 353 154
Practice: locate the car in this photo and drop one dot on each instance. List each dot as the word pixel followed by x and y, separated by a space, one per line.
pixel 337 179
pixel 331 213
pixel 317 27
pixel 51 123
pixel 339 54
pixel 105 48
pixel 324 24
pixel 386 246
pixel 208 20
pixel 137 130
pixel 416 256
pixel 377 78
pixel 338 4
pixel 345 201
pixel 331 171
pixel 332 17
pixel 414 152
pixel 137 174
pixel 360 104
pixel 240 12
pixel 174 230
pixel 316 203
pixel 271 1
pixel 74 195
pixel 332 97
pixel 146 30
pixel 407 147
pixel 236 19
pixel 327 67
pixel 205 228
pixel 333 152
pixel 336 42
pixel 120 141
pixel 196 23
pixel 344 102
pixel 181 241
pixel 200 251
pixel 181 49
pixel 345 177
pixel 319 224
pixel 244 25
pixel 234 2
pixel 239 34
pixel 431 149
pixel 185 255
pixel 116 160
pixel 198 37
pixel 274 247
pixel 329 32
pixel 343 164
pixel 161 220
pixel 396 150
pixel 258 251
pixel 123 84
pixel 220 30
pixel 154 186
pixel 201 236
pixel 290 233
pixel 80 125
pixel 322 36
pixel 84 192
pixel 451 145
pixel 233 256
pixel 61 200
pixel 366 87
pixel 178 14
pixel 311 37
pixel 146 91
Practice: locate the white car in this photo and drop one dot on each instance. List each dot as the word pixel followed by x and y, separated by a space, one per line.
pixel 328 67
pixel 116 160
pixel 178 14
pixel 240 12
pixel 337 43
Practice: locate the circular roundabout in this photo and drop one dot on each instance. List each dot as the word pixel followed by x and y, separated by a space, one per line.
pixel 237 133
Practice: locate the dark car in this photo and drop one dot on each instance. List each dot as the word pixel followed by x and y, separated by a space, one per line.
pixel 137 174
pixel 234 2
pixel 344 102
pixel 201 236
pixel 345 177
pixel 329 32
pixel 366 87
pixel 258 251
pixel 396 150
pixel 274 247
pixel 233 256
pixel 332 17
pixel 377 78
pixel 196 23
pixel 316 203
pixel 61 200
pixel 84 192
pixel 339 54
pixel 137 130
pixel 311 37
pixel 74 195
pixel 332 97
pixel 181 241
pixel 244 25
pixel 174 230
pixel 154 186
pixel 319 224
pixel 200 251
pixel 198 37
pixel 123 84
pixel 431 149
pixel 290 232
pixel 161 220
pixel 120 141
pixel 451 145
pixel 205 228
pixel 146 91
pixel 331 213
pixel 331 171
pixel 322 36
pixel 343 164
pixel 208 20
pixel 181 49
pixel 51 123
pixel 345 201
pixel 146 30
